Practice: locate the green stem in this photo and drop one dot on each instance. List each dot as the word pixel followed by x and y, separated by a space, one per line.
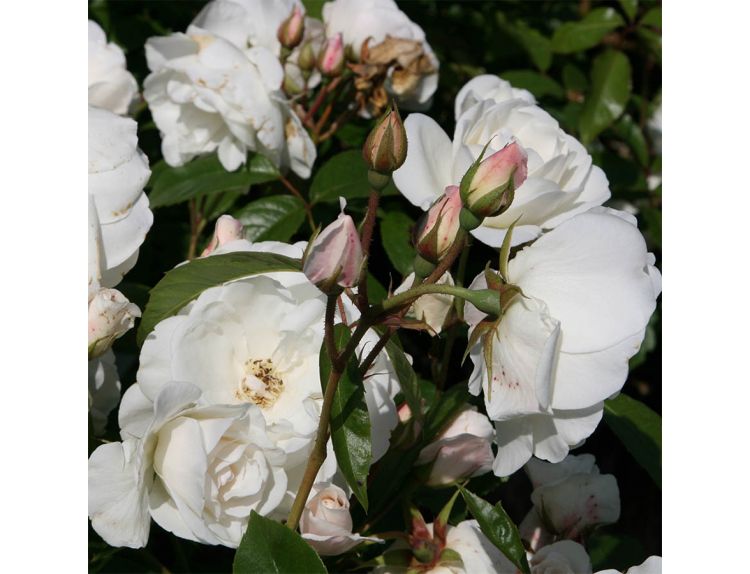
pixel 407 297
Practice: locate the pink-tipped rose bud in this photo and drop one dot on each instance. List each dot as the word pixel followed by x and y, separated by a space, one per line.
pixel 292 29
pixel 326 523
pixel 462 450
pixel 110 316
pixel 331 57
pixel 227 229
pixel 385 148
pixel 335 257
pixel 438 227
pixel 488 187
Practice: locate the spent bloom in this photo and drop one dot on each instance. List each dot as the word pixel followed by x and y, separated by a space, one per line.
pixel 561 180
pixel 326 522
pixel 589 288
pixel 335 256
pixel 227 229
pixel 462 450
pixel 110 316
pixel 438 228
pixel 111 86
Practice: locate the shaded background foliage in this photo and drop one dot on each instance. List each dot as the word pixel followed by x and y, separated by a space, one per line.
pixel 594 66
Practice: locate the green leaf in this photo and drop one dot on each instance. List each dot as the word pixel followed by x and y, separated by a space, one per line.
pixel 577 36
pixel 499 528
pixel 652 41
pixel 344 175
pixel 314 8
pixel 630 7
pixel 269 547
pixel 220 203
pixel 610 551
pixel 274 218
pixel 534 43
pixel 610 90
pixel 574 79
pixel 407 378
pixel 445 410
pixel 652 219
pixel 395 234
pixel 652 18
pixel 630 132
pixel 639 429
pixel 535 82
pixel 205 175
pixel 184 283
pixel 350 421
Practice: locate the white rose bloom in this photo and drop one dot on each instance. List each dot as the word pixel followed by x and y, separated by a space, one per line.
pixel 652 565
pixel 104 390
pixel 488 87
pixel 564 557
pixel 375 20
pixel 431 309
pixel 110 316
pixel 257 340
pixel 326 522
pixel 589 288
pixel 207 95
pixel 569 498
pixel 561 179
pixel 111 86
pixel 119 217
pixel 197 469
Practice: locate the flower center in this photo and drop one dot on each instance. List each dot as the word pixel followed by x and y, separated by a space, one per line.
pixel 261 384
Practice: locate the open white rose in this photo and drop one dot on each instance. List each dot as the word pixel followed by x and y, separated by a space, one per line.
pixel 432 309
pixel 111 86
pixel 488 87
pixel 110 316
pixel 257 340
pixel 652 565
pixel 462 450
pixel 326 523
pixel 561 179
pixel 564 557
pixel 207 95
pixel 119 217
pixel 569 500
pixel 197 469
pixel 589 288
pixel 374 22
pixel 104 389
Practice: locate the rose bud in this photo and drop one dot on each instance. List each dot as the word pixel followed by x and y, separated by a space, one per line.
pixel 110 316
pixel 488 187
pixel 306 59
pixel 438 227
pixel 291 30
pixel 331 57
pixel 385 148
pixel 462 450
pixel 227 229
pixel 326 523
pixel 335 256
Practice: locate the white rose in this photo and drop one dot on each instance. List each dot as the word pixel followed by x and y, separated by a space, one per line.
pixel 564 557
pixel 104 390
pixel 110 316
pixel 326 522
pixel 568 501
pixel 462 450
pixel 561 179
pixel 431 309
pixel 257 340
pixel 207 95
pixel 376 20
pixel 119 217
pixel 488 87
pixel 652 565
pixel 589 288
pixel 111 86
pixel 197 469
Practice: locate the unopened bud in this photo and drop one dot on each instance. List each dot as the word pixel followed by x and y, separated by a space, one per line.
pixel 438 227
pixel 227 229
pixel 385 148
pixel 331 57
pixel 335 257
pixel 306 59
pixel 110 316
pixel 488 187
pixel 291 30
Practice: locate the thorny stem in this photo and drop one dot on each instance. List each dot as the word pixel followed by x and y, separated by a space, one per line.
pixel 375 351
pixel 368 227
pixel 197 223
pixel 320 98
pixel 296 193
